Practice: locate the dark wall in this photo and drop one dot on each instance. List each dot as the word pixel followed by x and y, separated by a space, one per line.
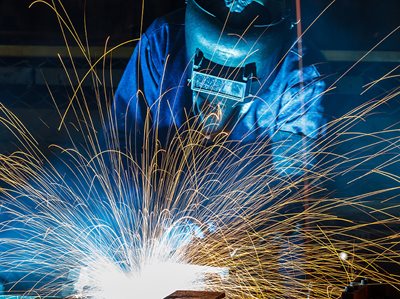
pixel 354 25
pixel 119 19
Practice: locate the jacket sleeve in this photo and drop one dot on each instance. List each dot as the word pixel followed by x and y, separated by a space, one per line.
pixel 137 90
pixel 301 110
pixel 300 123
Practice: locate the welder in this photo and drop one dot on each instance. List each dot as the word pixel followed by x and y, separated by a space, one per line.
pixel 235 65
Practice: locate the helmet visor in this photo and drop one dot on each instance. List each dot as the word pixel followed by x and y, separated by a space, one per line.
pixel 271 13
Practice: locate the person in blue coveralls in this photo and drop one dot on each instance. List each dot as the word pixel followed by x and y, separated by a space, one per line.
pixel 236 66
pixel 233 64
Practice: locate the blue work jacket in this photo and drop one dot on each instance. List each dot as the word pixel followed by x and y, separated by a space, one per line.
pixel 287 108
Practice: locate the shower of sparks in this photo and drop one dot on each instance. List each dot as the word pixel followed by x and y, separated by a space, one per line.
pixel 100 224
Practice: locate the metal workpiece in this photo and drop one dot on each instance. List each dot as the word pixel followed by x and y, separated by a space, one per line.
pixel 196 295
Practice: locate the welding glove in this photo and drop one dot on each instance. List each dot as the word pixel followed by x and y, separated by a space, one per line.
pixel 183 232
pixel 292 154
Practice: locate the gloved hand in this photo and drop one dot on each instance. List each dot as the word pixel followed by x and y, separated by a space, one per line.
pixel 292 154
pixel 183 232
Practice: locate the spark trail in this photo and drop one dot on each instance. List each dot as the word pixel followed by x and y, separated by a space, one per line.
pixel 101 222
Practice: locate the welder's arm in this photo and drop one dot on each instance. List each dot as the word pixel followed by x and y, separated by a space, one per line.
pixel 137 90
pixel 182 233
pixel 300 124
pixel 293 154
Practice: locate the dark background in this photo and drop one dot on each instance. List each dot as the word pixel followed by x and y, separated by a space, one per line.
pixel 343 34
pixel 351 25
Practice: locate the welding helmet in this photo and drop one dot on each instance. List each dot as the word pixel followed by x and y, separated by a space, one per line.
pixel 232 44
